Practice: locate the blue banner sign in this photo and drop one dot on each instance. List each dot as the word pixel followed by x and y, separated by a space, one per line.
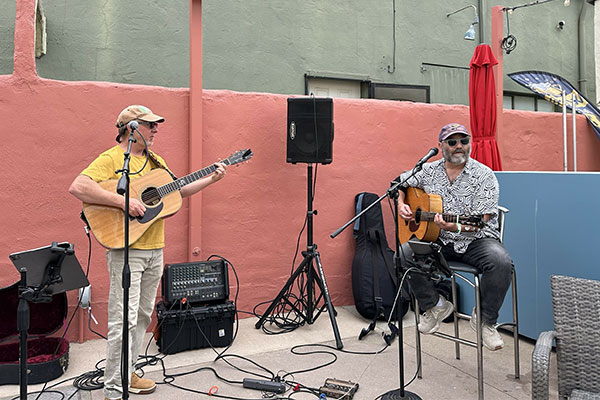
pixel 551 87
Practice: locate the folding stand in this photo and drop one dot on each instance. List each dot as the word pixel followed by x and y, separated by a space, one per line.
pixel 306 266
pixel 44 272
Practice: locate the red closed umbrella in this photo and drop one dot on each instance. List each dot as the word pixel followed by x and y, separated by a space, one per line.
pixel 482 108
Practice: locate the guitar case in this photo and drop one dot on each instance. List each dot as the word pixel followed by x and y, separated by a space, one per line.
pixel 373 272
pixel 47 357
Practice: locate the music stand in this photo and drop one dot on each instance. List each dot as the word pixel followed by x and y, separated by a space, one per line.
pixel 45 271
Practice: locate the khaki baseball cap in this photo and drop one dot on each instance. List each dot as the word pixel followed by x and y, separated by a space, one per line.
pixel 137 112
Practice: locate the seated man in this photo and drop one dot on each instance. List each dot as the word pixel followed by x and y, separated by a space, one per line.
pixel 466 187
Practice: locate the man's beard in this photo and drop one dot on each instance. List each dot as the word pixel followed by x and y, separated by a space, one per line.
pixel 456 159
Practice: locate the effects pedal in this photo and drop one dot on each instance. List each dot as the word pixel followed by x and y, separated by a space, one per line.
pixel 267 386
pixel 338 389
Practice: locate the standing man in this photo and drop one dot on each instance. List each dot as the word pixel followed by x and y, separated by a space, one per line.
pixel 467 187
pixel 145 255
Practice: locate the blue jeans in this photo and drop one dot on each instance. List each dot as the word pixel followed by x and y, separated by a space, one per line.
pixel 487 255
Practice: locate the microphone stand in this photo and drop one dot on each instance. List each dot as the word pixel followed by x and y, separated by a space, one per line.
pixel 392 192
pixel 123 188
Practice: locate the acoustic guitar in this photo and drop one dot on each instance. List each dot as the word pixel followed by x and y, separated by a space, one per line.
pixel 424 208
pixel 157 191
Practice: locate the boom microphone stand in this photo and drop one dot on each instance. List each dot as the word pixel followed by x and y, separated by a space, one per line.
pixel 123 188
pixel 392 192
pixel 306 266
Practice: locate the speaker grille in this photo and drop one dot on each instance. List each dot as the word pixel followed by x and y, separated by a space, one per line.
pixel 310 130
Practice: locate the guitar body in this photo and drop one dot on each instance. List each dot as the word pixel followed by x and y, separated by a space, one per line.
pixel 108 223
pixel 420 201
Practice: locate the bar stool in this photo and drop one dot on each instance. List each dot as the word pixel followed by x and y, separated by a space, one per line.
pixel 458 270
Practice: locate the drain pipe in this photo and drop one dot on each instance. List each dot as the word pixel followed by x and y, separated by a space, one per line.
pixel 481 20
pixel 581 79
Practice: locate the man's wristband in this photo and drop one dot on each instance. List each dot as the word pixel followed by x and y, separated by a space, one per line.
pixel 457 227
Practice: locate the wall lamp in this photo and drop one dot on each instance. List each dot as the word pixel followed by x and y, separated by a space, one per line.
pixel 470 34
pixel 566 3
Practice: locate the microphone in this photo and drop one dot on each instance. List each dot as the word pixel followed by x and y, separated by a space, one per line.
pixel 133 125
pixel 432 152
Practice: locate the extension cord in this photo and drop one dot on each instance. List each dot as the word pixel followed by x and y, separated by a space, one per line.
pixel 268 386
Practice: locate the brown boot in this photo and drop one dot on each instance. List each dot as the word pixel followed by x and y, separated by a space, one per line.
pixel 140 385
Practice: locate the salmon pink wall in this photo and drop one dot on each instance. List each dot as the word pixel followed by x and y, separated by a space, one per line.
pixel 52 129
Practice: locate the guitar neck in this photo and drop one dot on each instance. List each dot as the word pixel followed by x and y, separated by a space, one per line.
pixel 428 216
pixel 178 184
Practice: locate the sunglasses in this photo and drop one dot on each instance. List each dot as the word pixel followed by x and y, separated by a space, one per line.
pixel 150 125
pixel 454 142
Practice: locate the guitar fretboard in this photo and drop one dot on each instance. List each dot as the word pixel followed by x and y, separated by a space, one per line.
pixel 428 216
pixel 186 180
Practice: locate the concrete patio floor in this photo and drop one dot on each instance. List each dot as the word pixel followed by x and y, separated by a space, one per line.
pixel 444 377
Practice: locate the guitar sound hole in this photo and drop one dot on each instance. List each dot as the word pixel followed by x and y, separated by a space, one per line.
pixel 150 197
pixel 418 216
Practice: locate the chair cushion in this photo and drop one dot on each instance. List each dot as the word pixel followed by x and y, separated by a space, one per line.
pixel 457 266
pixel 577 394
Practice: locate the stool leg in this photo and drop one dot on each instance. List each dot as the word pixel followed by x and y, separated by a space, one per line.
pixel 515 323
pixel 418 339
pixel 455 303
pixel 479 338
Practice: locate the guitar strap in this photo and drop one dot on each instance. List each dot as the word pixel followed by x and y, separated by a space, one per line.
pixel 373 236
pixel 159 164
pixel 390 268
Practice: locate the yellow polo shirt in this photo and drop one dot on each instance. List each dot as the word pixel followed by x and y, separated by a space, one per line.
pixel 104 167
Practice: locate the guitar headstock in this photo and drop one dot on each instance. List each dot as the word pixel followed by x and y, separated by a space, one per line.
pixel 240 156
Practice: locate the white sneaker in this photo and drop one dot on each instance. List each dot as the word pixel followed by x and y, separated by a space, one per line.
pixel 489 334
pixel 430 320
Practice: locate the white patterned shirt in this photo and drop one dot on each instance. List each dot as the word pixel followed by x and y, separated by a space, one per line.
pixel 475 191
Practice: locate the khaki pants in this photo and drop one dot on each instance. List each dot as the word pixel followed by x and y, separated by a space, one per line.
pixel 146 269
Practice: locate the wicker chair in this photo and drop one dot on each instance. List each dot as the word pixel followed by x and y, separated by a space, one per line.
pixel 576 306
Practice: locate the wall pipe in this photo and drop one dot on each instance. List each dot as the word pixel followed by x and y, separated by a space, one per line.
pixel 481 21
pixel 581 79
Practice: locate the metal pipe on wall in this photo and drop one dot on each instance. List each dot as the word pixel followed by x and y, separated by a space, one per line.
pixel 481 20
pixel 581 79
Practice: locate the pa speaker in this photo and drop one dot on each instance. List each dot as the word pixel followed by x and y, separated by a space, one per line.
pixel 309 130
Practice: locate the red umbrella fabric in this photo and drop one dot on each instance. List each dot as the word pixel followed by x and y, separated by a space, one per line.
pixel 482 108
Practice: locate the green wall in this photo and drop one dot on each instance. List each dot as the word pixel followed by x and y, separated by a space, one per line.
pixel 7 35
pixel 145 42
pixel 268 46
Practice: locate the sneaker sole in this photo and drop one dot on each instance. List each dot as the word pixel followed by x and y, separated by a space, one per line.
pixel 474 327
pixel 436 327
pixel 493 348
pixel 142 391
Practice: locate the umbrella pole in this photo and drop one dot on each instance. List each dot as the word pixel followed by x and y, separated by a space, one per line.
pixel 564 120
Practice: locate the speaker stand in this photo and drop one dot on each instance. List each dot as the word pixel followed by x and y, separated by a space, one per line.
pixel 311 256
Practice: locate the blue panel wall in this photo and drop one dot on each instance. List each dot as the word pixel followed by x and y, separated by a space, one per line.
pixel 552 228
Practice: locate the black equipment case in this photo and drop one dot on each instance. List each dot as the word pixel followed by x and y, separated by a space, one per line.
pixel 194 327
pixel 44 361
pixel 373 271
